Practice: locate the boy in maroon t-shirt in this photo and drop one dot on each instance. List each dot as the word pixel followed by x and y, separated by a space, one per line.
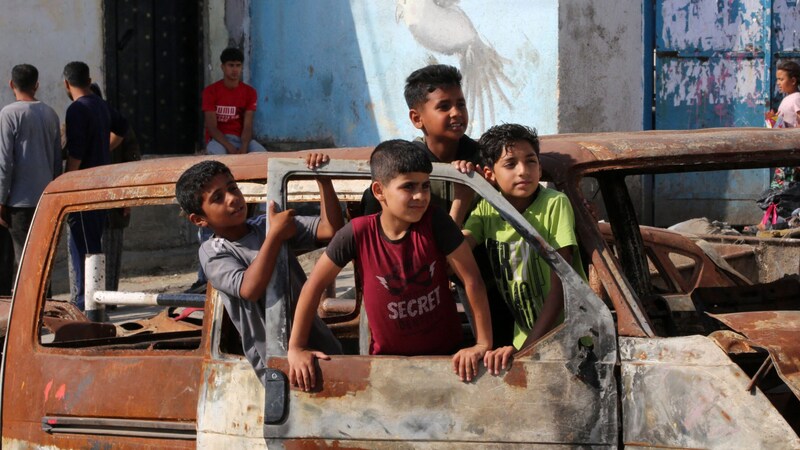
pixel 228 109
pixel 401 255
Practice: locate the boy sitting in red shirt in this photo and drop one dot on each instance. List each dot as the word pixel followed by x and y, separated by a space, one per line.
pixel 228 109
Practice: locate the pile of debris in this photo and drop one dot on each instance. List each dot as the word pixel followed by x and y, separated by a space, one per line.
pixel 781 206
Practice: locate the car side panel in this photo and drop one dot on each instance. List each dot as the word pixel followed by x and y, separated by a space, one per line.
pixel 685 392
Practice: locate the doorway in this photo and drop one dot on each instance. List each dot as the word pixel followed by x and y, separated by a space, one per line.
pixel 153 71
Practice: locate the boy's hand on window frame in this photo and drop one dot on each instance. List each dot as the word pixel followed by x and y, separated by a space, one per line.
pixel 302 371
pixel 463 166
pixel 467 361
pixel 499 358
pixel 314 160
pixel 281 224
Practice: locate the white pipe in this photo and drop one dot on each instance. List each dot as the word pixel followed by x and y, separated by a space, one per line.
pixel 94 279
pixel 125 298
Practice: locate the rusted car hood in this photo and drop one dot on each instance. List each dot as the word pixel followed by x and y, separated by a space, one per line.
pixel 776 332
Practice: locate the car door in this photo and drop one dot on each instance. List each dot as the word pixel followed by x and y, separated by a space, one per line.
pixel 86 387
pixel 561 391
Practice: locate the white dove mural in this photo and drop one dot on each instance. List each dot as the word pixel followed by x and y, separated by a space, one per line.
pixel 441 26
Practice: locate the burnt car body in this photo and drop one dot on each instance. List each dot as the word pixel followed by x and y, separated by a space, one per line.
pixel 638 361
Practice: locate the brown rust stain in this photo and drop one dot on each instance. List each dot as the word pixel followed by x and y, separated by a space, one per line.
pixel 725 415
pixel 516 376
pixel 337 377
pixel 731 342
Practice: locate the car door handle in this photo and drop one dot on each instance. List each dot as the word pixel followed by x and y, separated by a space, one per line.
pixel 277 389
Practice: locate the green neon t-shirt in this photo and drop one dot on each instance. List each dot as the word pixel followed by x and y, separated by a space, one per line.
pixel 522 277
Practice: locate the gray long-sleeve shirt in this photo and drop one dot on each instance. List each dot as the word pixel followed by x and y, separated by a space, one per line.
pixel 30 152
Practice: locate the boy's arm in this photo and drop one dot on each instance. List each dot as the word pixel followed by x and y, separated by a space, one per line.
pixel 257 276
pixel 214 133
pixel 6 167
pixel 72 164
pixel 462 199
pixel 115 141
pixel 462 194
pixel 330 211
pixel 301 359
pixel 553 304
pixel 469 239
pixel 465 362
pixel 247 131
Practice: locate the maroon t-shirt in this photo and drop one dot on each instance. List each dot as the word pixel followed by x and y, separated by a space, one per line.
pixel 405 285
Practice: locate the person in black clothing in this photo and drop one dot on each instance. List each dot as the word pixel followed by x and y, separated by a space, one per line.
pixel 92 128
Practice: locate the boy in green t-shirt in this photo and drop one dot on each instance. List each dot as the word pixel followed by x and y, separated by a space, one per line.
pixel 510 157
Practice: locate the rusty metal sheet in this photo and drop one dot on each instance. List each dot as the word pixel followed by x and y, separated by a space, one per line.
pixel 775 331
pixel 72 330
pixel 685 392
pixel 732 343
pixel 418 399
pixel 667 151
pixel 250 166
pixel 562 155
pixel 230 380
pixel 163 322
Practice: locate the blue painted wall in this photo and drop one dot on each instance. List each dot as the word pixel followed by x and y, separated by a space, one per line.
pixel 334 71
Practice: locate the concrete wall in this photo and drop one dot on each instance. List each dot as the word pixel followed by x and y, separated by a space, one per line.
pixel 600 73
pixel 334 71
pixel 227 24
pixel 48 35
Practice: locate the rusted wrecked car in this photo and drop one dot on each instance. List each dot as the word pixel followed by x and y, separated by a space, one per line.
pixel 670 344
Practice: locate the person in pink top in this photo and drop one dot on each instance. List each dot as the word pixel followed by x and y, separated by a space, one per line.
pixel 228 109
pixel 787 77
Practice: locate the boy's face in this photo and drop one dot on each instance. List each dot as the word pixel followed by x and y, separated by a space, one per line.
pixel 444 114
pixel 405 197
pixel 517 172
pixel 224 208
pixel 232 70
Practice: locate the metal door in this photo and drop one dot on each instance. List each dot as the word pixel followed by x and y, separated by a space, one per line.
pixel 153 71
pixel 785 38
pixel 712 70
pixel 563 391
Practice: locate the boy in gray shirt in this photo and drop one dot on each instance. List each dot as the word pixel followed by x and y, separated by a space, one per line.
pixel 240 257
pixel 30 154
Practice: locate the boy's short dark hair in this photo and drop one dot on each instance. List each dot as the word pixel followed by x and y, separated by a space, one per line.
pixel 77 73
pixel 231 54
pixel 395 157
pixel 496 140
pixel 25 77
pixel 190 185
pixel 423 81
pixel 791 68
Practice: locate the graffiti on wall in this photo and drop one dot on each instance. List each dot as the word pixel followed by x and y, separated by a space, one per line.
pixel 443 28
